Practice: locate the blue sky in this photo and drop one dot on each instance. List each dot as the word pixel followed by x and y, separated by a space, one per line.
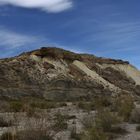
pixel 108 28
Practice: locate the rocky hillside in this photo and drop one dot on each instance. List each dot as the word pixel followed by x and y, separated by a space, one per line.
pixel 57 74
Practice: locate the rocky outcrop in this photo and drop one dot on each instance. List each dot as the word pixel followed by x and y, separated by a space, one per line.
pixel 57 74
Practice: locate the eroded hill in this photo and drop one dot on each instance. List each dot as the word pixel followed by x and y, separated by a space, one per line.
pixel 57 74
pixel 54 94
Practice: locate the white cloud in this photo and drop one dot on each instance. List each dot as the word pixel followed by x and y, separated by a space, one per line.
pixel 10 39
pixel 53 6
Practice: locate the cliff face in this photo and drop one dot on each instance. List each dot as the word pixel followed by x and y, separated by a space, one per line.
pixel 57 74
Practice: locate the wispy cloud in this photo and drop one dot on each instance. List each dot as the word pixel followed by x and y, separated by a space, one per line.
pixel 13 40
pixel 53 6
pixel 116 32
pixel 13 43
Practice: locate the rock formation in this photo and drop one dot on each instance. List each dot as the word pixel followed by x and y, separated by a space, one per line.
pixel 57 74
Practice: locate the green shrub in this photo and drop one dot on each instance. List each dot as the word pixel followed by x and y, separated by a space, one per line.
pixel 96 103
pixel 118 130
pixel 33 135
pixel 101 127
pixel 43 104
pixel 94 134
pixel 88 106
pixel 102 102
pixel 16 106
pixel 30 111
pixel 106 119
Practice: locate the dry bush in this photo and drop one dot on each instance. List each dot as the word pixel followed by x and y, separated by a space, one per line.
pixel 16 106
pixel 88 106
pixel 94 134
pixel 124 106
pixel 32 129
pixel 27 135
pixel 36 128
pixel 42 104
pixel 102 127
pixel 106 120
pixel 4 106
pixel 96 103
pixel 75 136
pixel 8 136
pixel 5 123
pixel 33 135
pixel 60 122
pixel 138 128
pixel 102 102
pixel 135 116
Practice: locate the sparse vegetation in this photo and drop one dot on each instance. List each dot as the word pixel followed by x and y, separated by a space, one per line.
pixel 42 104
pixel 23 105
pixel 110 112
pixel 103 126
pixel 75 136
pixel 102 102
pixel 27 135
pixel 54 80
pixel 8 136
pixel 33 135
pixel 106 119
pixel 118 130
pixel 96 103
pixel 94 134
